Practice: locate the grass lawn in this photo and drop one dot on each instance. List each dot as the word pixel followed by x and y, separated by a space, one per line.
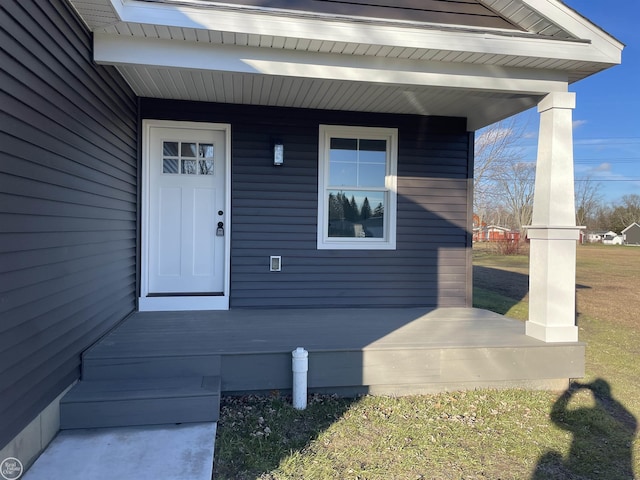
pixel 482 434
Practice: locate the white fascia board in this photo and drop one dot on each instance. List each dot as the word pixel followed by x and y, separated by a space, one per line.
pixel 252 22
pixel 580 27
pixel 118 50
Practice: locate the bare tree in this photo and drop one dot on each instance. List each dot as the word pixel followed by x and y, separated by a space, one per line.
pixel 516 182
pixel 588 199
pixel 498 160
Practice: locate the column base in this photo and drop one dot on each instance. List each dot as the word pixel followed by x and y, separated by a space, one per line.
pixel 551 334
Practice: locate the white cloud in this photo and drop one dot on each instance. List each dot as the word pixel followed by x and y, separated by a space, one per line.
pixel 603 167
pixel 578 123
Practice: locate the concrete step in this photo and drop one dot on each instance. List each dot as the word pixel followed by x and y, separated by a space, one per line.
pixel 152 401
pixel 132 367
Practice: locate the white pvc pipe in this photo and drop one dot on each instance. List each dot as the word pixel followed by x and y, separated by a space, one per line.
pixel 300 367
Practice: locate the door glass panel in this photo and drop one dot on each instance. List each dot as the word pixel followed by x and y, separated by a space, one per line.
pixel 185 154
pixel 189 167
pixel 188 149
pixel 206 167
pixel 356 213
pixel 206 150
pixel 170 149
pixel 170 165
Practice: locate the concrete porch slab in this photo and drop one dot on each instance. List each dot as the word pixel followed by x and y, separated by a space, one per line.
pixel 163 452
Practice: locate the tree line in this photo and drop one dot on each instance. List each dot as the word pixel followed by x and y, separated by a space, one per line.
pixel 343 208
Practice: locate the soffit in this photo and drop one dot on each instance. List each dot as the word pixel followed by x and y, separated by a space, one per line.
pixel 533 43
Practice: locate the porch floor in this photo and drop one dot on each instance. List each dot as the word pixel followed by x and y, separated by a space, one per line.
pixel 401 350
pixel 261 331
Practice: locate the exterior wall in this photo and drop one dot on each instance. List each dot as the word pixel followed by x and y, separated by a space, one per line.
pixel 274 211
pixel 68 209
pixel 632 235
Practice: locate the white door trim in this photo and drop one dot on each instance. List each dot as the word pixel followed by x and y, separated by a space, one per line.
pixel 168 303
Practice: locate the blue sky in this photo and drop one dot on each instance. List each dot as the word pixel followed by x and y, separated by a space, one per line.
pixel 607 115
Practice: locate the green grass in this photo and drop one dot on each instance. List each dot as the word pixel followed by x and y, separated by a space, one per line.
pixel 507 306
pixel 482 434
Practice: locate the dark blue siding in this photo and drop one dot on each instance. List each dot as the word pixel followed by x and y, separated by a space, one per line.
pixel 274 211
pixel 68 204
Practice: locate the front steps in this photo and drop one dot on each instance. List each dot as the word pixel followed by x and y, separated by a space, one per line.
pixel 120 403
pixel 125 390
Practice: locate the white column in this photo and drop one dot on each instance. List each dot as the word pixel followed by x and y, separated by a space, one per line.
pixel 553 233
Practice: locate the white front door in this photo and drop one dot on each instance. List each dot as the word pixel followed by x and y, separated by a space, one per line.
pixel 186 219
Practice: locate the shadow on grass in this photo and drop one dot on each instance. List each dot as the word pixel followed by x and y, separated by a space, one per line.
pixel 256 433
pixel 504 282
pixel 603 436
pixel 500 290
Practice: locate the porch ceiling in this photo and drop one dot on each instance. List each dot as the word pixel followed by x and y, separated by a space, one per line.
pixel 210 51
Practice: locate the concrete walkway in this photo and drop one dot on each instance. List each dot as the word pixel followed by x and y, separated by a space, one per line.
pixel 163 452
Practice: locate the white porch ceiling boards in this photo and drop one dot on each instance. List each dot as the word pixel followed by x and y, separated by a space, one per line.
pixel 225 87
pixel 205 50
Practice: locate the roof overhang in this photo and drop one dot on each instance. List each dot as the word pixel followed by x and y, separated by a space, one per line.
pixel 210 51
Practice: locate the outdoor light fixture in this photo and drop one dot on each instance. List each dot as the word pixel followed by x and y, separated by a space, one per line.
pixel 278 153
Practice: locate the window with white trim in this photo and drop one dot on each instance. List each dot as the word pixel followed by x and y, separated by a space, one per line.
pixel 357 187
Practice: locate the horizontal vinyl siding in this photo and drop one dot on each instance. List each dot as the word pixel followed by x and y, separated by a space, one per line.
pixel 274 211
pixel 68 213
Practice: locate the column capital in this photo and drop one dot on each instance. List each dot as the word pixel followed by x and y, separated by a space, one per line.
pixel 557 100
pixel 554 232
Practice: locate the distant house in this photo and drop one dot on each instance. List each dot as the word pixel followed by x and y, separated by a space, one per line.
pixel 251 155
pixel 595 237
pixel 612 238
pixel 631 234
pixel 495 233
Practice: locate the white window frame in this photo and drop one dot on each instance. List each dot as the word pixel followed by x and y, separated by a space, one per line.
pixel 325 242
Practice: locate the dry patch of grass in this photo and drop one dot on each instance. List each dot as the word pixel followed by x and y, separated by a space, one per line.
pixel 609 284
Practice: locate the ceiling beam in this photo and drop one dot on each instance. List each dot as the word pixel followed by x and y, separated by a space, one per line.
pixel 119 50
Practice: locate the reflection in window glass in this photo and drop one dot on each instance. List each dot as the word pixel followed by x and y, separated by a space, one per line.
pixel 206 167
pixel 357 162
pixel 344 149
pixel 206 150
pixel 356 213
pixel 379 146
pixel 357 188
pixel 188 149
pixel 188 158
pixel 343 174
pixel 170 165
pixel 170 149
pixel 189 167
